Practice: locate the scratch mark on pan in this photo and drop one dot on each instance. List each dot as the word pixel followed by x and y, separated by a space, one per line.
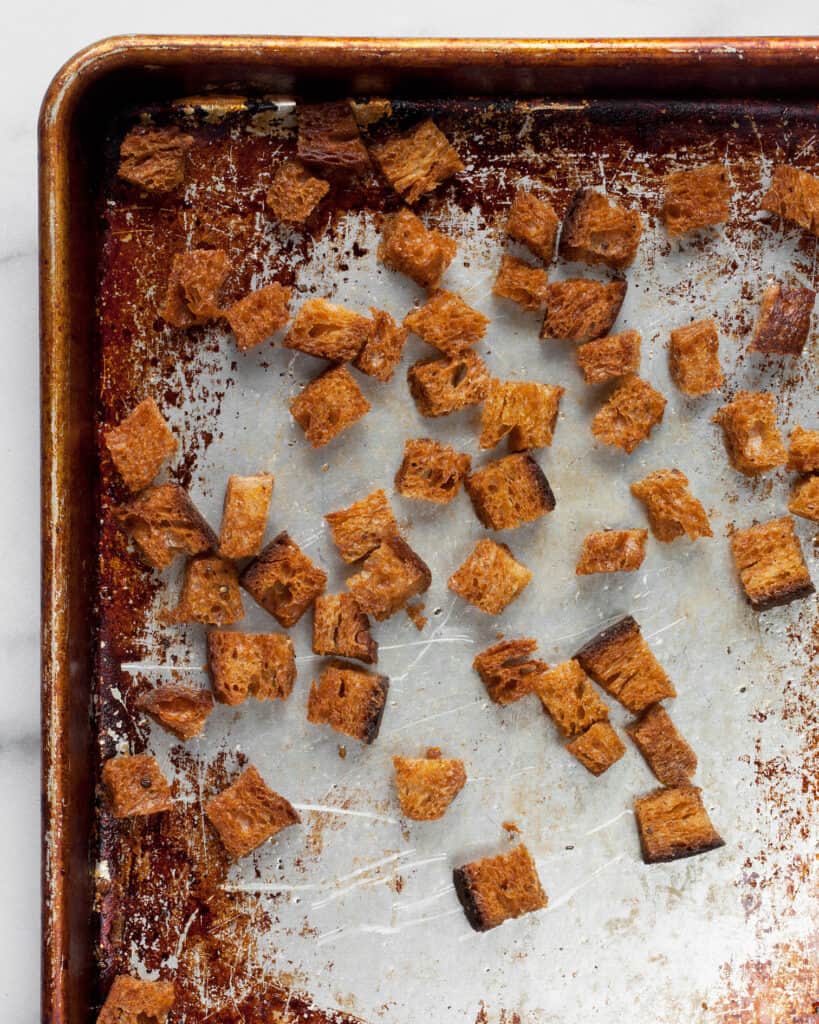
pixel 606 824
pixel 439 714
pixel 571 893
pixel 662 629
pixel 459 639
pixel 400 907
pixel 340 810
pixel 382 929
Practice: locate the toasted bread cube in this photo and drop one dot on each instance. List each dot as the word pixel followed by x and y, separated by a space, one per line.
pixel 695 199
pixel 247 499
pixel 182 710
pixel 194 287
pixel 349 700
pixel 418 161
pixel 619 660
pixel 598 748
pixel 632 411
pixel 803 451
pixel 494 889
pixel 294 192
pixel 616 355
pixel 612 551
pixel 415 250
pixel 673 823
pixel 522 283
pixel 447 322
pixel 568 696
pixel 328 331
pixel 442 386
pixel 750 433
pixel 135 786
pixel 329 136
pixel 340 627
pixel 431 471
pixel 784 320
pixel 154 159
pixel 804 501
pixel 597 230
pixel 248 813
pixel 140 444
pixel 534 223
pixel 794 196
pixel 671 508
pixel 210 593
pixel 329 404
pixel 580 309
pixel 382 348
pixel 370 111
pixel 666 752
pixel 490 578
pixel 507 671
pixel 283 580
pixel 133 1001
pixel 510 492
pixel 359 529
pixel 389 576
pixel 770 563
pixel 258 315
pixel 163 522
pixel 693 358
pixel 428 785
pixel 524 411
pixel 242 665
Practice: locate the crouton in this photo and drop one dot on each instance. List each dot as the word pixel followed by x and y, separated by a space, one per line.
pixel 490 578
pixel 752 439
pixel 247 499
pixel 442 386
pixel 359 529
pixel 770 563
pixel 194 287
pixel 349 700
pixel 494 889
pixel 154 159
pixel 524 411
pixel 133 1001
pixel 598 748
pixel 671 508
pixel 794 196
pixel 242 665
pixel 329 136
pixel 616 355
pixel 612 551
pixel 509 492
pixel 163 522
pixel 447 322
pixel 580 309
pixel 340 627
pixel 415 613
pixel 665 751
pixel 418 161
pixel 248 813
pixel 210 593
pixel 431 471
pixel 428 785
pixel 328 405
pixel 258 315
pixel 804 500
pixel 389 576
pixel 522 283
pixel 294 192
pixel 370 111
pixel 139 444
pixel 507 671
pixel 632 411
pixel 673 823
pixel 135 786
pixel 328 331
pixel 182 710
pixel 534 223
pixel 415 250
pixel 619 660
pixel 382 348
pixel 568 696
pixel 784 318
pixel 597 230
pixel 803 450
pixel 283 580
pixel 693 358
pixel 695 199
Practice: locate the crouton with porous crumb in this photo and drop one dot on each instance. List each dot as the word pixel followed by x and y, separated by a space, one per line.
pixel 328 331
pixel 597 230
pixel 524 411
pixel 193 293
pixel 580 309
pixel 441 386
pixel 139 444
pixel 210 593
pixel 804 500
pixel 616 355
pixel 666 753
pixel 427 785
pixel 359 529
pixel 389 576
pixel 752 439
pixel 283 580
pixel 598 748
pixel 673 823
pixel 163 522
pixel 134 1001
pixel 803 451
pixel 135 786
pixel 258 315
pixel 330 404
pixel 632 411
pixel 522 283
pixel 154 159
pixel 494 889
pixel 770 564
pixel 783 324
pixel 244 518
pixel 693 358
pixel 341 628
pixel 671 507
pixel 294 192
pixel 794 196
pixel 431 471
pixel 418 161
pixel 612 551
pixel 349 700
pixel 507 671
pixel 329 137
pixel 259 665
pixel 411 248
pixel 182 710
pixel 447 322
pixel 695 199
pixel 509 492
pixel 533 222
pixel 490 578
pixel 569 698
pixel 382 348
pixel 248 813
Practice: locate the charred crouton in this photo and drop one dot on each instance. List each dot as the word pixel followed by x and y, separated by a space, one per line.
pixel 442 386
pixel 673 823
pixel 524 411
pixel 666 752
pixel 494 889
pixel 803 451
pixel 619 660
pixel 597 230
pixel 784 320
pixel 389 576
pixel 283 580
pixel 242 665
pixel 752 439
pixel 695 199
pixel 431 471
pixel 632 411
pixel 210 593
pixel 182 710
pixel 794 196
pixel 340 627
pixel 133 1001
pixel 382 348
pixel 329 136
pixel 194 287
pixel 329 404
pixel 370 111
pixel 418 161
pixel 490 578
pixel 616 355
pixel 328 331
pixel 427 785
pixel 693 358
pixel 294 192
pixel 154 159
pixel 163 522
pixel 510 492
pixel 258 315
pixel 671 508
pixel 570 699
pixel 598 748
pixel 415 250
pixel 612 551
pixel 533 223
pixel 581 310
pixel 359 529
pixel 522 283
pixel 247 499
pixel 135 786
pixel 248 813
pixel 349 700
pixel 507 671
pixel 140 444
pixel 804 501
pixel 770 563
pixel 447 322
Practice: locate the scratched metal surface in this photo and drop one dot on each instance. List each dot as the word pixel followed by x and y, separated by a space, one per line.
pixel 355 911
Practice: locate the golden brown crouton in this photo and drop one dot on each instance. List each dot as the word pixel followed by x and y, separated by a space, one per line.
pixel 695 199
pixel 794 196
pixel 418 161
pixel 329 137
pixel 619 660
pixel 447 322
pixel 803 451
pixel 581 310
pixel 340 627
pixel 382 348
pixel 427 785
pixel 494 889
pixel 135 786
pixel 431 471
pixel 194 287
pixel 182 710
pixel 510 492
pixel 612 551
pixel 570 699
pixel 248 813
pixel 210 593
pixel 283 580
pixel 371 111
pixel 413 249
pixel 133 1001
pixel 598 748
pixel 258 315
pixel 632 411
pixel 389 576
pixel 490 578
pixel 804 501
pixel 693 358
pixel 506 670
pixel 328 331
pixel 522 283
pixel 349 700
pixel 597 230
pixel 616 355
pixel 294 192
pixel 525 411
pixel 673 823
pixel 139 444
pixel 328 405
pixel 534 223
pixel 247 499
pixel 442 386
pixel 749 430
pixel 770 563
pixel 242 665
pixel 671 508
pixel 154 158
pixel 784 320
pixel 666 752
pixel 163 522
pixel 359 529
